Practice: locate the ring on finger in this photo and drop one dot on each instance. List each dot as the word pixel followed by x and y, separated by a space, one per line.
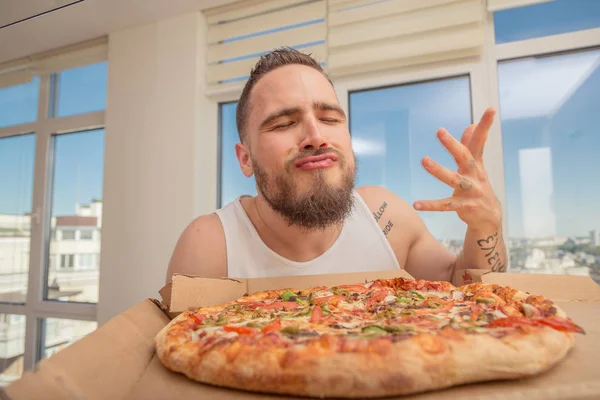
pixel 465 184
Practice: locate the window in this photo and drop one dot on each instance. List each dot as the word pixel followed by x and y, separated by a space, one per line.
pixel 77 181
pixel 18 104
pixel 233 182
pixel 61 195
pixel 60 333
pixel 550 18
pixel 393 128
pixel 66 260
pixel 67 234
pixel 87 261
pixel 549 107
pixel 82 90
pixel 17 155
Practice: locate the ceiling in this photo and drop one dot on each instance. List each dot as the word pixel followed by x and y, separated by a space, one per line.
pixel 32 26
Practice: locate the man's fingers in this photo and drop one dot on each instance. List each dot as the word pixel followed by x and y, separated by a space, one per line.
pixel 445 175
pixel 450 178
pixel 459 151
pixel 467 135
pixel 480 133
pixel 447 204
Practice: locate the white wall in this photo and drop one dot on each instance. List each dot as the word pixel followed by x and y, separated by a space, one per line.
pixel 159 156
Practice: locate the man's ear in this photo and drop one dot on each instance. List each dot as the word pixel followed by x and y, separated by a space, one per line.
pixel 242 153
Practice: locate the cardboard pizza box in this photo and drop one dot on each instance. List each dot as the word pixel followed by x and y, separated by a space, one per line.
pixel 118 361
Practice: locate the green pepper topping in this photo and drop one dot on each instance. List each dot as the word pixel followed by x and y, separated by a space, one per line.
pixel 403 301
pixel 288 295
pixel 374 329
pixel 325 309
pixel 419 295
pixel 255 325
pixel 311 298
pixel 301 302
pixel 292 329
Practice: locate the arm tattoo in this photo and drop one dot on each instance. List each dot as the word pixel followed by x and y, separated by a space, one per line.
pixel 380 212
pixel 388 228
pixel 377 215
pixel 493 257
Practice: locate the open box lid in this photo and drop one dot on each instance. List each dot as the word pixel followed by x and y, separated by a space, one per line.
pixel 187 291
pixel 118 361
pixel 575 378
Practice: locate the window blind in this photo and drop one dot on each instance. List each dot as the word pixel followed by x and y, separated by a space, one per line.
pixel 238 34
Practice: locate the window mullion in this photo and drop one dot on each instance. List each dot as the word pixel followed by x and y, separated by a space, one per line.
pixel 39 221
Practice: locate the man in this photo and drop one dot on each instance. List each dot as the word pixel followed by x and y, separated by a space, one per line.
pixel 307 217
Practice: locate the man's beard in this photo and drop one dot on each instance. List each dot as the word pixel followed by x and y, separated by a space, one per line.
pixel 323 205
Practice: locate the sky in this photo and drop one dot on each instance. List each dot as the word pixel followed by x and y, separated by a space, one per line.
pixel 547 106
pixel 78 165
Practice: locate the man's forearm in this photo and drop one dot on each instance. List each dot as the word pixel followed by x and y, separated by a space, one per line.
pixel 483 249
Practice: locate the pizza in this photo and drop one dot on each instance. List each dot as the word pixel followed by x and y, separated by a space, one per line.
pixel 379 338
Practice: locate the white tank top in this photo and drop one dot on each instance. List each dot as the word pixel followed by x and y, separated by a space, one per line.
pixel 360 247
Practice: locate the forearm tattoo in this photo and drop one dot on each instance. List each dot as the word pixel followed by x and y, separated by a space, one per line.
pixel 494 259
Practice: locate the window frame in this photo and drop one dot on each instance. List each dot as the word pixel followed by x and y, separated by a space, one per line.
pixel 483 73
pixel 36 308
pixel 482 96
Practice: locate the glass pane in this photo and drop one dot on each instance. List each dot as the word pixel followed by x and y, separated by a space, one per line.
pixel 82 90
pixel 60 333
pixel 545 19
pixel 12 347
pixel 16 184
pixel 76 222
pixel 549 108
pixel 233 182
pixel 394 128
pixel 18 104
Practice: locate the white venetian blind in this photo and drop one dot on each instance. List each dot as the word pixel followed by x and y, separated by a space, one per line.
pixel 498 5
pixel 23 70
pixel 369 35
pixel 239 33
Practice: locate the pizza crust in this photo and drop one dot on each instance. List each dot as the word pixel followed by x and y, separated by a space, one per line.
pixel 421 363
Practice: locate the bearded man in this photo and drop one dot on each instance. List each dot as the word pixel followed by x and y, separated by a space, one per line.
pixel 308 217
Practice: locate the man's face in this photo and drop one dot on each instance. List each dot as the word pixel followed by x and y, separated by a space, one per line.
pixel 299 147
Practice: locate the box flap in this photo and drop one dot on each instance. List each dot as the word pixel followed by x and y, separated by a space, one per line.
pixel 106 364
pixel 188 291
pixel 308 281
pixel 554 287
pixel 192 292
pixel 576 377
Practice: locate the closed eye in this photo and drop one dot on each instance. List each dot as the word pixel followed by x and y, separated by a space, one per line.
pixel 283 126
pixel 330 120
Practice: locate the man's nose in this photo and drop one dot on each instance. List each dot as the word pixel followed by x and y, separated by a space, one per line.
pixel 313 138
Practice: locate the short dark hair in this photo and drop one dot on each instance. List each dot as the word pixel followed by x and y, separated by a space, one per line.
pixel 277 58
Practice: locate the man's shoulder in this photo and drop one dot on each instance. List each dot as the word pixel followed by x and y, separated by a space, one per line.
pixel 200 249
pixel 205 225
pixel 377 197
